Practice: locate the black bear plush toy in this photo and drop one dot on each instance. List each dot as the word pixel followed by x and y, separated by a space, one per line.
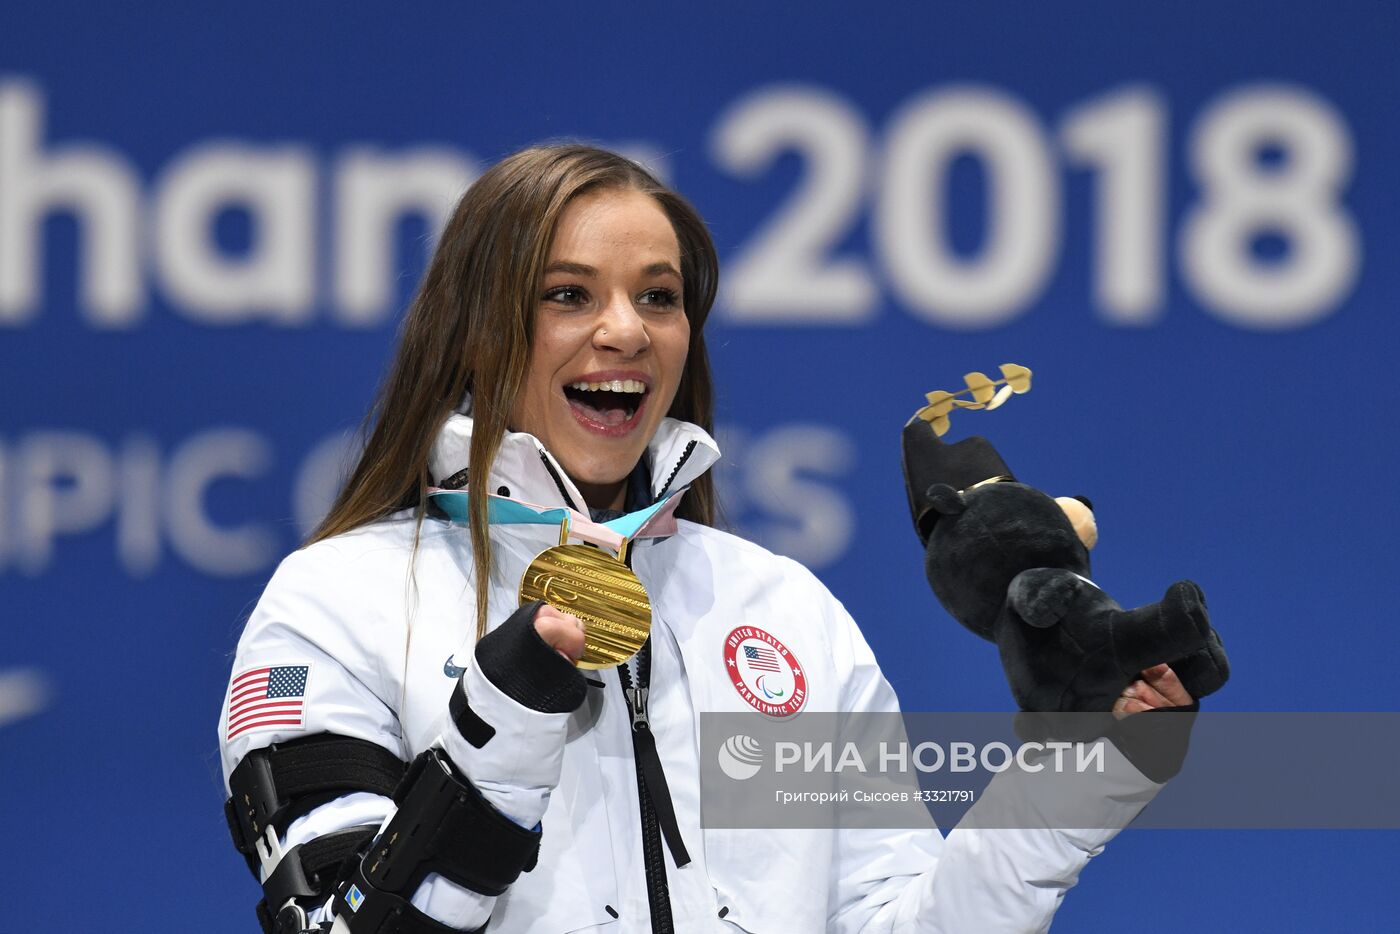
pixel 1012 565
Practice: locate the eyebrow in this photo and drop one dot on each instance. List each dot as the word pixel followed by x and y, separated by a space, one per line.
pixel 661 268
pixel 582 269
pixel 574 269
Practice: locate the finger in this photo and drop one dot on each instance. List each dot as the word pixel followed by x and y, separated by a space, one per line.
pixel 1125 706
pixel 564 634
pixel 1168 685
pixel 1146 693
pixel 547 612
pixel 570 645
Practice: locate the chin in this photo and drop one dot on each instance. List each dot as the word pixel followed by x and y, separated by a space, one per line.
pixel 601 475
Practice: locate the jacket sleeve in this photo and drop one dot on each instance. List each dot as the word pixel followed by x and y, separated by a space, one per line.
pixel 319 632
pixel 331 627
pixel 985 876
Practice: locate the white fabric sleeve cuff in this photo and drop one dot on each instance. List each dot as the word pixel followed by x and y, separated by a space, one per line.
pixel 448 903
pixel 515 771
pixel 519 766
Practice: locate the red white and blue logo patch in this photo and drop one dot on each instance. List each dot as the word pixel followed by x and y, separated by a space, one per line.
pixel 269 697
pixel 764 672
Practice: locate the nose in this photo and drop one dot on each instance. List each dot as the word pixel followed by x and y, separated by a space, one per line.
pixel 621 329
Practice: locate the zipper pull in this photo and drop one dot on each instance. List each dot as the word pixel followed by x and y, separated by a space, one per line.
pixel 637 700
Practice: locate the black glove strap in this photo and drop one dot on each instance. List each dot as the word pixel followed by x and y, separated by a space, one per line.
pixel 1156 741
pixel 469 723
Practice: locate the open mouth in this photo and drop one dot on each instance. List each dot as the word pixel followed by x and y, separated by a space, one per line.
pixel 607 404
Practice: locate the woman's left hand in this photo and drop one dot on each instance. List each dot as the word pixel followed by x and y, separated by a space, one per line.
pixel 1158 687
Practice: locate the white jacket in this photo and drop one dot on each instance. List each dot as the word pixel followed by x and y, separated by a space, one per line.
pixel 375 624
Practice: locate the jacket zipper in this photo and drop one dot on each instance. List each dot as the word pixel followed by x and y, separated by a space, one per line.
pixel 653 859
pixel 685 456
pixel 645 757
pixel 558 481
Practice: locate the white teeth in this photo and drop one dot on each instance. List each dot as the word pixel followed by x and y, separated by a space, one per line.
pixel 616 385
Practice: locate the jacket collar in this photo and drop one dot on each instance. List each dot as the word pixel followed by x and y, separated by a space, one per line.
pixel 679 453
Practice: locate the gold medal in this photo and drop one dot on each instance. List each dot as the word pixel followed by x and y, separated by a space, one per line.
pixel 600 590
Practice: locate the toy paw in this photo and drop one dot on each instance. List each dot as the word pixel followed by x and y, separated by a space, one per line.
pixel 1043 596
pixel 1204 672
pixel 1185 600
pixel 1204 669
pixel 1174 627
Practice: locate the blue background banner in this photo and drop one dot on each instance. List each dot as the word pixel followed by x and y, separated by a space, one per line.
pixel 1181 216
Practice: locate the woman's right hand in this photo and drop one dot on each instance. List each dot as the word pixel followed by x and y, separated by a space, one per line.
pixel 561 631
pixel 530 658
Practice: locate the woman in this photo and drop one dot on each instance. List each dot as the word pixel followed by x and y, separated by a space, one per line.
pixel 556 350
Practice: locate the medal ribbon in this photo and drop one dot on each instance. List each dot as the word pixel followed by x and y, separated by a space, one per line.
pixel 654 521
pixel 597 587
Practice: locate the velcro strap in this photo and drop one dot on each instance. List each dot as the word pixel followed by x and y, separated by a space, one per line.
pixel 323 856
pixel 275 785
pixel 311 870
pixel 469 723
pixel 444 825
pixel 367 910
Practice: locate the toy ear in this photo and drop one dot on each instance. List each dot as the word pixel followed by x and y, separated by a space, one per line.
pixel 1085 500
pixel 945 500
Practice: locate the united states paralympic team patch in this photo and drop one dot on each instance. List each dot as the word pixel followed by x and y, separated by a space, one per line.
pixel 270 697
pixel 764 672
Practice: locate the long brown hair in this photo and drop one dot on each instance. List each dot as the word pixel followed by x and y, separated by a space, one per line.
pixel 470 328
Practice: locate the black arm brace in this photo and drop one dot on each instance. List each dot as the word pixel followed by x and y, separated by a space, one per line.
pixel 274 786
pixel 443 825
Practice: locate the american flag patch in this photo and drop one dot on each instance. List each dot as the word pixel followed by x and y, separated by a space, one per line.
pixel 761 658
pixel 267 698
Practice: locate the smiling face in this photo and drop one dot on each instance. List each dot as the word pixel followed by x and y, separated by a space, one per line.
pixel 610 340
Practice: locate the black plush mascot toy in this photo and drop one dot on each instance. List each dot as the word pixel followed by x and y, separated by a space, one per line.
pixel 1008 562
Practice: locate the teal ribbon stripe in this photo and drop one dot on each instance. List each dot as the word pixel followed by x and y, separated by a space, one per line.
pixel 501 511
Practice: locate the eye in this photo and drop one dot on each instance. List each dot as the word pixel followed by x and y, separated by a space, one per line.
pixel 665 298
pixel 566 295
